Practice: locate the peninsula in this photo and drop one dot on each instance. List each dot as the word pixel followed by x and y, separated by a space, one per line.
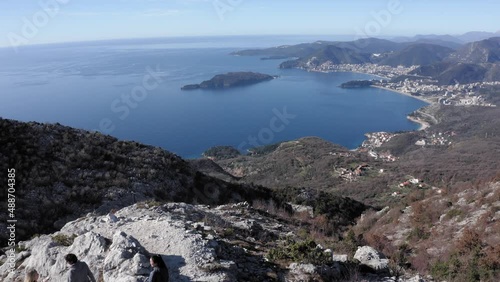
pixel 229 80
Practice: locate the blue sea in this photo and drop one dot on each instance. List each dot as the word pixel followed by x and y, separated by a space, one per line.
pixel 130 89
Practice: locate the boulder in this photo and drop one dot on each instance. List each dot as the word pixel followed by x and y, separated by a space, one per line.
pixel 126 261
pixel 302 268
pixel 416 278
pixel 300 272
pixel 368 256
pixel 90 247
pixel 340 258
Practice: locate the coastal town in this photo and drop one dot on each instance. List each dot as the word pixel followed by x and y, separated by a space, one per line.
pixel 375 140
pixel 423 88
pixel 397 79
pixel 383 71
pixel 450 95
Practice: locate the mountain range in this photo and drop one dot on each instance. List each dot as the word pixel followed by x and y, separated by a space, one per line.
pixel 458 39
pixel 484 51
pixel 473 62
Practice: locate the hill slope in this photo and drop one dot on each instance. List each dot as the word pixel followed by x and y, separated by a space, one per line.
pixel 447 73
pixel 417 54
pixel 63 173
pixel 479 52
pixel 332 54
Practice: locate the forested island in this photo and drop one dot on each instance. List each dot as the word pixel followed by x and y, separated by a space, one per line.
pixel 229 80
pixel 357 84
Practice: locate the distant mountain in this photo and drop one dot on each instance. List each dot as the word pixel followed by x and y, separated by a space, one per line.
pixel 477 36
pixel 440 57
pixel 429 38
pixel 406 54
pixel 417 54
pixel 299 50
pixel 367 50
pixel 484 51
pixel 459 38
pixel 371 45
pixel 365 45
pixel 450 44
pixel 333 54
pixel 473 62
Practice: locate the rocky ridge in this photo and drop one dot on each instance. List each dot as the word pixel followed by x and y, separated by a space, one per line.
pixel 198 243
pixel 63 173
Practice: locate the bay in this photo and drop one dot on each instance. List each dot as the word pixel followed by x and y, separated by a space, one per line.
pixel 83 84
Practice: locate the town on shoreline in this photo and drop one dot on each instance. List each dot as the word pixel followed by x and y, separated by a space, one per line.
pixel 396 79
pixel 422 88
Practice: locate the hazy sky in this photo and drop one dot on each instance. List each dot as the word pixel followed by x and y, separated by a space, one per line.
pixel 28 22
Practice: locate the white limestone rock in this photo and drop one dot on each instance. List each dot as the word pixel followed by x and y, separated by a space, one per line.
pixel 372 258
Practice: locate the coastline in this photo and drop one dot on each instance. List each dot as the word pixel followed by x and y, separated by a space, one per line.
pixel 423 124
pixel 379 76
pixel 381 87
pixel 333 71
pixel 404 93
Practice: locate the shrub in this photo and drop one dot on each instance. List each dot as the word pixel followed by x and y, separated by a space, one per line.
pixel 305 251
pixel 221 152
pixel 263 150
pixel 20 248
pixel 454 213
pixel 469 243
pixel 440 270
pixel 472 261
pixel 418 233
pixel 228 232
pixel 63 239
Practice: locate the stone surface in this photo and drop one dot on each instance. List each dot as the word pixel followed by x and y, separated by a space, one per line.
pixel 372 258
pixel 340 258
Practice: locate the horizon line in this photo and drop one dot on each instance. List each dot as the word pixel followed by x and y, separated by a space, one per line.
pixel 355 37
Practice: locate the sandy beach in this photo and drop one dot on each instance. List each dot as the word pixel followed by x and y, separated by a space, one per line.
pixel 404 93
pixel 423 124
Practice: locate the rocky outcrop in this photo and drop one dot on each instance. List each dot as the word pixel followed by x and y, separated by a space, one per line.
pixel 368 256
pixel 198 243
pixel 67 173
pixel 126 260
pixel 190 239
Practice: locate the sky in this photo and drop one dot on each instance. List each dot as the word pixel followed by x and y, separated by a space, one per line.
pixel 48 21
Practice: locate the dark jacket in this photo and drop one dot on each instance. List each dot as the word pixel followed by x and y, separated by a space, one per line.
pixel 80 272
pixel 158 275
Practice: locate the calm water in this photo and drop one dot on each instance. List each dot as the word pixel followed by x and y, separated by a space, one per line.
pixel 87 85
